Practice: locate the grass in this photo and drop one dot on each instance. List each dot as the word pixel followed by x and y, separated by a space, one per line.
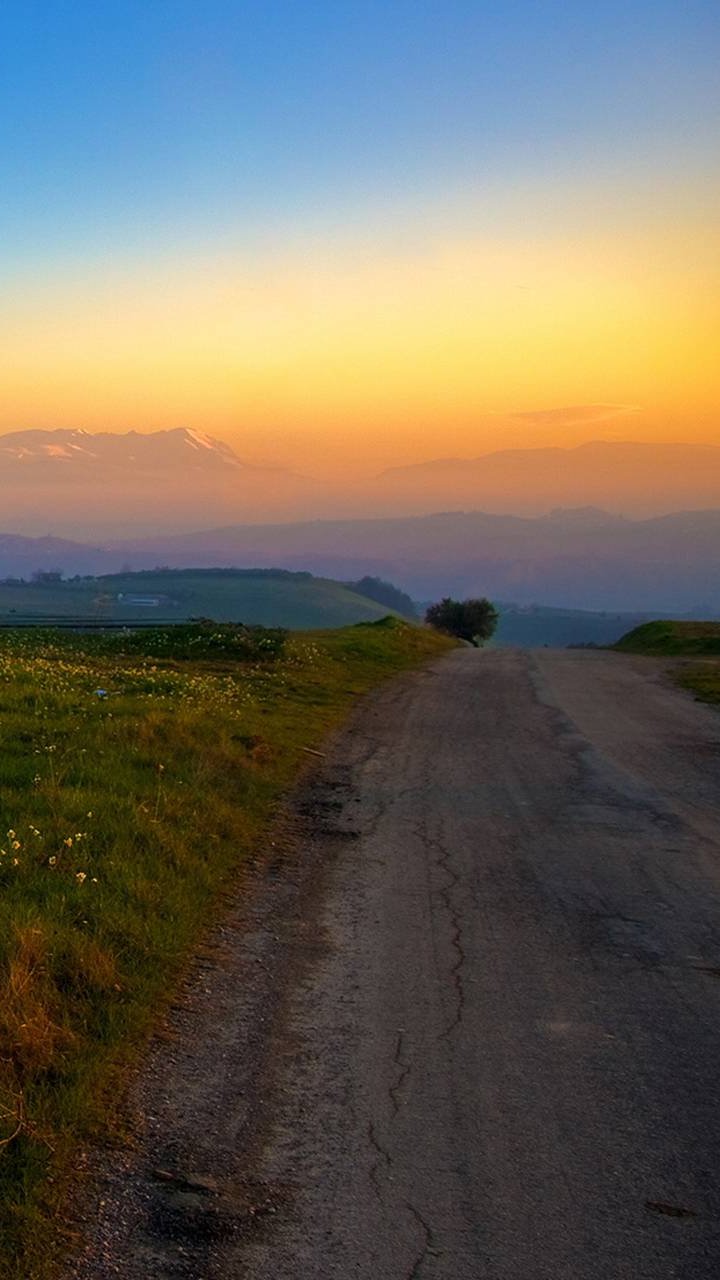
pixel 269 597
pixel 134 788
pixel 671 638
pixel 682 640
pixel 702 679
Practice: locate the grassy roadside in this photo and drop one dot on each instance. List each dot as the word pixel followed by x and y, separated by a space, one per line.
pixel 698 640
pixel 132 787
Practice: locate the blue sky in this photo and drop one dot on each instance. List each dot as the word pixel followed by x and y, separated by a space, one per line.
pixel 137 122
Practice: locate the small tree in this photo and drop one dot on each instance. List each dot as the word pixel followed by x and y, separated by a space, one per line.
pixel 385 593
pixel 473 620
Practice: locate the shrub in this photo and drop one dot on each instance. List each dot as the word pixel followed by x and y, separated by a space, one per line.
pixel 472 620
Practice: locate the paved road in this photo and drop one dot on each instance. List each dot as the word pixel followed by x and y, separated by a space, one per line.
pixel 499 1059
pixel 511 1052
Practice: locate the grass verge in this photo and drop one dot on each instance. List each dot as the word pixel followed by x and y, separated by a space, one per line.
pixel 132 789
pixel 702 679
pixel 672 639
pixel 682 640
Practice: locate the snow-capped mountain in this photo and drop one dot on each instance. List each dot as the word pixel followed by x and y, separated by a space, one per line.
pixel 74 451
pixel 103 484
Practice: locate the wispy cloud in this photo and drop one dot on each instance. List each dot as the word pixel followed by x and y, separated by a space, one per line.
pixel 574 415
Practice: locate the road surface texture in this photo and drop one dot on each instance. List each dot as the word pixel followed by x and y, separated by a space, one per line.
pixel 471 1029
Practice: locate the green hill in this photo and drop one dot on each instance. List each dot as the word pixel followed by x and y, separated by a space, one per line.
pixel 270 597
pixel 671 638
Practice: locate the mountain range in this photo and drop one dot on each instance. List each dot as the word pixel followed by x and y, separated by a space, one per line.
pixel 634 478
pixel 585 559
pixel 101 485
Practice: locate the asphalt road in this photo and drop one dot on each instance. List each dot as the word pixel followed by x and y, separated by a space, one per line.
pixel 494 1053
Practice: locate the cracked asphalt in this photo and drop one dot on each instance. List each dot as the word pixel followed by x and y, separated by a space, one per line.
pixel 490 1027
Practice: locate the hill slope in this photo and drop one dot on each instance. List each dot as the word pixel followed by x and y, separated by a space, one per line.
pixel 268 597
pixel 673 638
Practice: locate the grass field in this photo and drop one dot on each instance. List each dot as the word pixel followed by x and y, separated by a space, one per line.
pixel 133 790
pixel 267 597
pixel 673 638
pixel 682 640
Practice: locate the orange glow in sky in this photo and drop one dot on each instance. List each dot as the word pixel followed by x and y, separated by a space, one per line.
pixel 347 355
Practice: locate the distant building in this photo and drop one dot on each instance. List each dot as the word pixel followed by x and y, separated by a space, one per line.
pixel 142 602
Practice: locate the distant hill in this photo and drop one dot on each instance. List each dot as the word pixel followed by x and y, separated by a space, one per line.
pixel 22 556
pixel 534 626
pixel 573 559
pixel 269 597
pixel 581 560
pixel 637 479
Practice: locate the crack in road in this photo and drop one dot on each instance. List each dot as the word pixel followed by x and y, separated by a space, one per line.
pixel 427 1250
pixel 405 1070
pixel 384 1158
pixel 443 862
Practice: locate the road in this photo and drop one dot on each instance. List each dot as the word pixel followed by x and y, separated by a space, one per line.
pixel 494 1053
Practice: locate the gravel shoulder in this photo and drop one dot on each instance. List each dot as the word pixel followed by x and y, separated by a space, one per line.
pixel 467 1022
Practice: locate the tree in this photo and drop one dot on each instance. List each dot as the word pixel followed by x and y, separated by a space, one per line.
pixel 46 577
pixel 384 593
pixel 473 620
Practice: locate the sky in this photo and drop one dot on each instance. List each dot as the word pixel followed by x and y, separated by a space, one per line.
pixel 343 236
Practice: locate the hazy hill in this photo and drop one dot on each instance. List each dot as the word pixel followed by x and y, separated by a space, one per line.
pixel 533 626
pixel 575 559
pixel 22 556
pixel 585 560
pixel 637 479
pixel 269 597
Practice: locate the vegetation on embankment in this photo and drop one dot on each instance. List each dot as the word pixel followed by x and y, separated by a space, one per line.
pixel 682 640
pixel 672 638
pixel 133 789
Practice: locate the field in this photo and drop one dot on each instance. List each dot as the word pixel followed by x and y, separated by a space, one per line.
pixel 135 786
pixel 682 640
pixel 269 597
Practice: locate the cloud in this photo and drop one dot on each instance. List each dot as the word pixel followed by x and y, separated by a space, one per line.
pixel 574 415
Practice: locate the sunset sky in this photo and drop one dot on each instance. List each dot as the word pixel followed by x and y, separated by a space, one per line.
pixel 350 235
